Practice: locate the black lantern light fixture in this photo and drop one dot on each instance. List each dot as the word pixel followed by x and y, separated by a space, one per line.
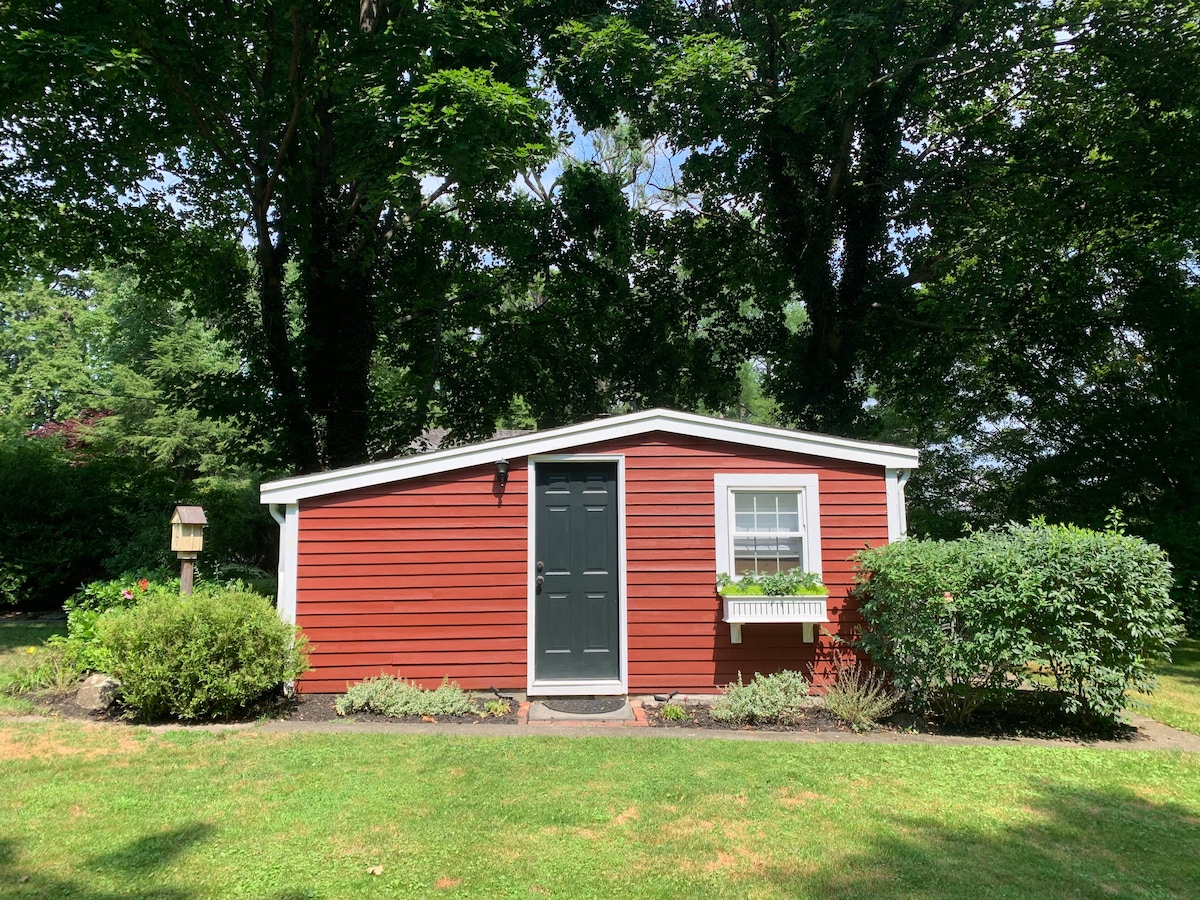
pixel 502 471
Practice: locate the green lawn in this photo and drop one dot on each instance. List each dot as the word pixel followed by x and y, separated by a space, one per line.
pixel 105 813
pixel 1176 701
pixel 16 638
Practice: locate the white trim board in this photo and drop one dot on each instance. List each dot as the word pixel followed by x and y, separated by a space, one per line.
pixel 806 483
pixel 289 558
pixel 558 440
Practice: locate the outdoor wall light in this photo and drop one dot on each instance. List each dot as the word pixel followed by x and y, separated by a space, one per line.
pixel 502 471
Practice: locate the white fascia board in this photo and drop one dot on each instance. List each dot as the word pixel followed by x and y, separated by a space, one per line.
pixel 293 490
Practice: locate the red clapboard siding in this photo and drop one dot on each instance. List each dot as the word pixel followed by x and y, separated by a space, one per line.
pixel 427 578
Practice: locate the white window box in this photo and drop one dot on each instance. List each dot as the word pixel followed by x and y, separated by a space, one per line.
pixel 809 609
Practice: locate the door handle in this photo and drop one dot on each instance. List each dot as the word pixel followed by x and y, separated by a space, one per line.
pixel 539 581
pixel 541 565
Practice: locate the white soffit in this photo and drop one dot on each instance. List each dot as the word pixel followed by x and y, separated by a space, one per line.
pixel 556 440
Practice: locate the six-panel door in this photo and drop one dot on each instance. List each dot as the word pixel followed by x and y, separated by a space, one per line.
pixel 577 604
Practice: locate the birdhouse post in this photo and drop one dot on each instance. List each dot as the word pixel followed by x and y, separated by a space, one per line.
pixel 187 540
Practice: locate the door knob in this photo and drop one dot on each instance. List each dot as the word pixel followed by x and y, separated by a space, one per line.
pixel 541 565
pixel 540 581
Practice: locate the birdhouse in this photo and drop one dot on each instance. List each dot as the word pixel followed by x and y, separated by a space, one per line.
pixel 187 530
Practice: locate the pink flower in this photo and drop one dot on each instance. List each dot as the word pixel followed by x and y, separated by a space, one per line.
pixel 128 595
pixel 947 596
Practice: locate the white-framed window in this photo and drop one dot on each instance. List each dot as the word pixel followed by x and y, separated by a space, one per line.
pixel 767 523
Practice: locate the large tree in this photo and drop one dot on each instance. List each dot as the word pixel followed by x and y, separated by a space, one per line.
pixel 1052 367
pixel 324 155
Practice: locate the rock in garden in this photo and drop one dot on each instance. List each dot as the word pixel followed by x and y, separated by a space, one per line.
pixel 97 693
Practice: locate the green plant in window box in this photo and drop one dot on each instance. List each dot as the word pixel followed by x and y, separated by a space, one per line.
pixel 792 583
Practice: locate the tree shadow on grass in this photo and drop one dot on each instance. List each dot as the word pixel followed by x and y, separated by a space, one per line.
pixel 138 858
pixel 143 855
pixel 1185 662
pixel 1070 843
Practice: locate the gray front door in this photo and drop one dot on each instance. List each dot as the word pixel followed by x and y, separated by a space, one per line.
pixel 576 606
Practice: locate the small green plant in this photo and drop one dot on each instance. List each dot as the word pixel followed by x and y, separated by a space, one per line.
pixel 792 583
pixel 767 700
pixel 46 668
pixel 859 696
pixel 394 697
pixel 204 656
pixel 673 712
pixel 496 708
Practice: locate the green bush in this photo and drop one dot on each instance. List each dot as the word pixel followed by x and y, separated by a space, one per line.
pixel 766 700
pixel 859 695
pixel 206 656
pixel 959 623
pixel 387 695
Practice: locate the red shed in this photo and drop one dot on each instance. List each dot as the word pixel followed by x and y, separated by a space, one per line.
pixel 583 559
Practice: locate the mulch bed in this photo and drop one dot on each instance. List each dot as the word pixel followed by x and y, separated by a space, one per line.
pixel 1037 718
pixel 813 719
pixel 319 708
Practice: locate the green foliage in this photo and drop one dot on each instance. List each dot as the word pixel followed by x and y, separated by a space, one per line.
pixel 203 657
pixel 51 666
pixel 496 708
pixel 792 583
pixel 85 607
pixel 957 623
pixel 63 518
pixel 859 695
pixel 768 699
pixel 673 712
pixel 387 695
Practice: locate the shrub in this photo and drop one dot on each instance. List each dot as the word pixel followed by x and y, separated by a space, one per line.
pixel 86 606
pixel 766 700
pixel 394 697
pixel 206 656
pixel 957 623
pixel 859 695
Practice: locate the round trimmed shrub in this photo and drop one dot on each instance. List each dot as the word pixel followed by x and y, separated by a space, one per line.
pixel 959 623
pixel 207 656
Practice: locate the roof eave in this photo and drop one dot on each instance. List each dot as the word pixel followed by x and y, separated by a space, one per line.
pixel 293 490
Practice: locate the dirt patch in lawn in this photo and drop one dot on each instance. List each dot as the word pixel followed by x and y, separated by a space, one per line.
pixel 47 745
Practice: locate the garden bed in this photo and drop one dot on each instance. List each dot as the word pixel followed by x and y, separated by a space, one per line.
pixel 1036 717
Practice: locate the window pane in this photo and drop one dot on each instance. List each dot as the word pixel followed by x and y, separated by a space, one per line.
pixel 765 555
pixel 766 512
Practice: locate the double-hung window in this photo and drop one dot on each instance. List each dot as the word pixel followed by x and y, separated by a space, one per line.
pixel 767 524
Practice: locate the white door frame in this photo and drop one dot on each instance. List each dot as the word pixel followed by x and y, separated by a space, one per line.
pixel 579 686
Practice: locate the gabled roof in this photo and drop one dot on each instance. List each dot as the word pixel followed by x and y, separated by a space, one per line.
pixel 558 440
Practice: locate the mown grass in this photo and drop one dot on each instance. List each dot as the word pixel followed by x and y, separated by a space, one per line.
pixel 16 638
pixel 104 813
pixel 1176 700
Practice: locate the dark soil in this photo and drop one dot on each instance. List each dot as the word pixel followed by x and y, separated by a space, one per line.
pixel 813 719
pixel 320 708
pixel 1037 715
